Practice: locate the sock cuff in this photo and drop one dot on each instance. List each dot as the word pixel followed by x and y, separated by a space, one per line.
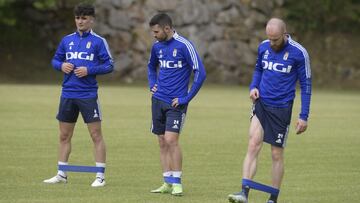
pixel 177 174
pixel 167 173
pixel 99 164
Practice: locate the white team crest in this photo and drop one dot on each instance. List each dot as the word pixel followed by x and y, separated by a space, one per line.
pixel 88 45
pixel 174 52
pixel 286 55
pixel 266 54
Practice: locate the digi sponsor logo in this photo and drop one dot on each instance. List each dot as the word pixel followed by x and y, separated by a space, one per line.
pixel 278 67
pixel 170 64
pixel 79 55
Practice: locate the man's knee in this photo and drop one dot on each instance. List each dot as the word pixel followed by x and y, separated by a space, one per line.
pixel 65 137
pixel 171 141
pixel 277 154
pixel 95 131
pixel 254 145
pixel 96 135
pixel 162 142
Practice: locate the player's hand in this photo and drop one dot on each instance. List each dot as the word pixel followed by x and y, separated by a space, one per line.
pixel 67 67
pixel 300 126
pixel 153 89
pixel 81 71
pixel 175 102
pixel 254 95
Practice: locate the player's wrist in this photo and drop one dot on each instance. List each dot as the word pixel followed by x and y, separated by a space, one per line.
pixel 303 117
pixel 182 100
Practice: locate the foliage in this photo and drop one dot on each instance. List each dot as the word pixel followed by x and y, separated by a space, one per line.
pixel 25 23
pixel 10 14
pixel 19 17
pixel 7 15
pixel 44 4
pixel 324 15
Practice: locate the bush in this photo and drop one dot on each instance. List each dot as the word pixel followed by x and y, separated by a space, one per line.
pixel 324 15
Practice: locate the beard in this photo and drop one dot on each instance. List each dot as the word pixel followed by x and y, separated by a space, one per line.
pixel 162 38
pixel 279 46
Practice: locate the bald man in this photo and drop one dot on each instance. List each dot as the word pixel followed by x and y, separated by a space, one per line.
pixel 281 62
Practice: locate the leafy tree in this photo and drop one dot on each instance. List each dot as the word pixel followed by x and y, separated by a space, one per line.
pixel 324 15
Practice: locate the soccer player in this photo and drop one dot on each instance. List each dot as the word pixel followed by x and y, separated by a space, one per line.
pixel 81 56
pixel 281 62
pixel 176 58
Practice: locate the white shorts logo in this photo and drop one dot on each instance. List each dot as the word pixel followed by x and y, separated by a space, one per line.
pixel 96 115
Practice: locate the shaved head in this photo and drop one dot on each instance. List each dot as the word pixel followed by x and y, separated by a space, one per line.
pixel 276 33
pixel 275 26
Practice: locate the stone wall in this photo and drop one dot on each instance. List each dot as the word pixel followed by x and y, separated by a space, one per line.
pixel 226 33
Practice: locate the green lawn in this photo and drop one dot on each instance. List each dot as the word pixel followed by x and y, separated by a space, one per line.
pixel 322 166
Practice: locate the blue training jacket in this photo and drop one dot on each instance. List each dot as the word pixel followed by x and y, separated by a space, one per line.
pixel 89 50
pixel 176 59
pixel 276 74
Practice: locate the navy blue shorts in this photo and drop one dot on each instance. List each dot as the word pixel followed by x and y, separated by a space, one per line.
pixel 69 110
pixel 275 122
pixel 166 118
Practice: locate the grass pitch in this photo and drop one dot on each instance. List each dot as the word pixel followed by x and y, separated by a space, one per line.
pixel 321 166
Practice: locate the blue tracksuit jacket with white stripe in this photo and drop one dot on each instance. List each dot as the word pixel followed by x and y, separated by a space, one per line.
pixel 89 50
pixel 176 59
pixel 276 74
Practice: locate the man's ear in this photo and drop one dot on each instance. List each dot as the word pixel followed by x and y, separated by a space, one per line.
pixel 167 28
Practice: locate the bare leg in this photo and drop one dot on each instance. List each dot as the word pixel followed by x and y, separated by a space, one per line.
pixel 256 134
pixel 172 141
pixel 277 166
pixel 99 143
pixel 164 154
pixel 66 133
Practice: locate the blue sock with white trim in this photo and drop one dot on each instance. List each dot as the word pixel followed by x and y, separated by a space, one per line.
pixel 99 174
pixel 177 176
pixel 167 175
pixel 60 172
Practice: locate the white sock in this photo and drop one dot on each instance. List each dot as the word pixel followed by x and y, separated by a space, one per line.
pixel 100 175
pixel 177 174
pixel 62 173
pixel 167 173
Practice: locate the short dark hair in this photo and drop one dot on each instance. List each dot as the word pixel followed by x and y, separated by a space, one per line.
pixel 84 9
pixel 161 19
